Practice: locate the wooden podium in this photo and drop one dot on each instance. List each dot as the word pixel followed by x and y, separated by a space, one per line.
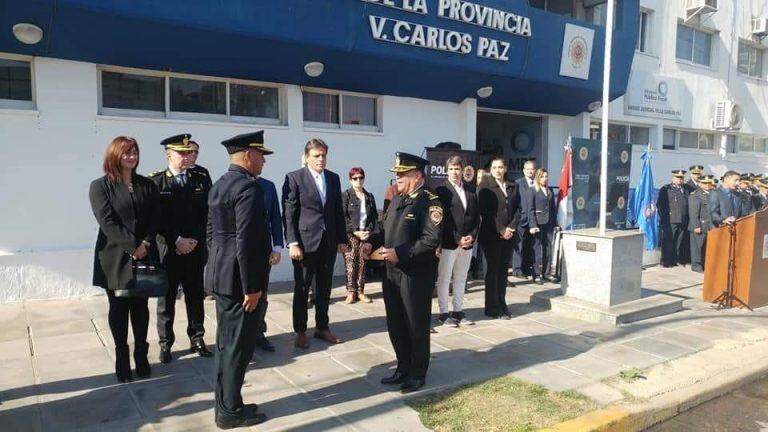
pixel 750 272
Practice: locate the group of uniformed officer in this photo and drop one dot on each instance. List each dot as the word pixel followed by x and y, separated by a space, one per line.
pixel 217 236
pixel 686 213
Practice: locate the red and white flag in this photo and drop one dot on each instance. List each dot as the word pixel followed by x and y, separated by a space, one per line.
pixel 564 203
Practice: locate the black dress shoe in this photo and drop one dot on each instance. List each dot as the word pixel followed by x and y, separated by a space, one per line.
pixel 245 421
pixel 199 347
pixel 165 355
pixel 396 378
pixel 265 345
pixel 412 385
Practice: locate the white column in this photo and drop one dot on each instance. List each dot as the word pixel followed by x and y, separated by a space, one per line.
pixel 468 124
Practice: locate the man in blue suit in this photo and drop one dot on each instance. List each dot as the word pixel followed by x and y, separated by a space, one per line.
pixel 315 231
pixel 725 203
pixel 522 252
pixel 275 226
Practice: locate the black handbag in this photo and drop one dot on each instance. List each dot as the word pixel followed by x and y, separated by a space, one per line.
pixel 149 278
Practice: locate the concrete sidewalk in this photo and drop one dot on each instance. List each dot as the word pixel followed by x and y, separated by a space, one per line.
pixel 58 373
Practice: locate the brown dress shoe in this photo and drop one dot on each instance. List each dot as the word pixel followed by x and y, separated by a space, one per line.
pixel 364 298
pixel 302 341
pixel 327 336
pixel 351 298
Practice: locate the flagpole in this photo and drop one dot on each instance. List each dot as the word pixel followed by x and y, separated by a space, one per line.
pixel 604 129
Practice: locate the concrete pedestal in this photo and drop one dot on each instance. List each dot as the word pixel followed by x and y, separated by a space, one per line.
pixel 601 279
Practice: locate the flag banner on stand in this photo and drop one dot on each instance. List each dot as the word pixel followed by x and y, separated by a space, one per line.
pixel 644 208
pixel 564 203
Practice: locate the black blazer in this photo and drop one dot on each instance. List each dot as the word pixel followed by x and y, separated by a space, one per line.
pixel 541 208
pixel 237 236
pixel 458 221
pixel 350 205
pixel 496 210
pixel 522 191
pixel 304 213
pixel 721 208
pixel 124 222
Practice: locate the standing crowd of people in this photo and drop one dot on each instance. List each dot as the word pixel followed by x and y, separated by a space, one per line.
pixel 688 210
pixel 223 237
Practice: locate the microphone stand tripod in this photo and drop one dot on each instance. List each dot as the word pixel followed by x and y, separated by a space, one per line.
pixel 727 297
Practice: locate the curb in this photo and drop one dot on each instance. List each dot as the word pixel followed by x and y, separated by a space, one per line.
pixel 638 417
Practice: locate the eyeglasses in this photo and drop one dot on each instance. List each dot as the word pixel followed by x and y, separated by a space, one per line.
pixel 358 178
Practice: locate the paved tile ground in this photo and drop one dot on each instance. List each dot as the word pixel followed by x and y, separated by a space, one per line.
pixel 57 361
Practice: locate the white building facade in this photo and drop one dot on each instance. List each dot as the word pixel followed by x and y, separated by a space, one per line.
pixel 58 116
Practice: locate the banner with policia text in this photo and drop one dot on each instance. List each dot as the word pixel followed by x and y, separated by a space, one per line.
pixel 585 166
pixel 437 172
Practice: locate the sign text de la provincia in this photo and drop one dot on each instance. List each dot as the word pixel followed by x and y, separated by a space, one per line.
pixel 424 36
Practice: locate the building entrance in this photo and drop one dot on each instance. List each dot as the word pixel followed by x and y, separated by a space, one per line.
pixel 516 138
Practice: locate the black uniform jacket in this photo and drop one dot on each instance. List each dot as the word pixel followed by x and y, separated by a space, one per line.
pixel 238 239
pixel 350 205
pixel 183 209
pixel 204 172
pixel 672 204
pixel 698 211
pixel 458 221
pixel 496 210
pixel 304 214
pixel 411 225
pixel 759 201
pixel 541 208
pixel 124 222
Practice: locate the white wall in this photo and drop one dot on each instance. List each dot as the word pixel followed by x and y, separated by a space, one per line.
pixel 706 85
pixel 47 230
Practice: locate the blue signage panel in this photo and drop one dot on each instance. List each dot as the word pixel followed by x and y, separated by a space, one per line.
pixel 432 49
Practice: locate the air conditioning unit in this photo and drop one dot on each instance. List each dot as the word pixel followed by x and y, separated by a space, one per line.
pixel 728 115
pixel 706 5
pixel 760 27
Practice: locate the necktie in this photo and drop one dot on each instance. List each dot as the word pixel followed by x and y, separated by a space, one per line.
pixel 181 179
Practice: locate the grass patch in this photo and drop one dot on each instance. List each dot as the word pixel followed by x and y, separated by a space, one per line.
pixel 500 404
pixel 631 375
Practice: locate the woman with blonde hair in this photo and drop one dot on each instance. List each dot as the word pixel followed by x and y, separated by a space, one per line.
pixel 542 221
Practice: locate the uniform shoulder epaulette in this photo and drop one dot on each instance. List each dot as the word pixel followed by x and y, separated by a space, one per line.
pixel 155 173
pixel 431 195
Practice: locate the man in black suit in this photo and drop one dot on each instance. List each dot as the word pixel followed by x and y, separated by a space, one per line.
pixel 315 231
pixel 725 203
pixel 672 205
pixel 236 273
pixel 700 221
pixel 500 213
pixel 460 226
pixel 522 251
pixel 184 210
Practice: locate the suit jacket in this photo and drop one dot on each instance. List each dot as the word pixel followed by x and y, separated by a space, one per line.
pixel 304 213
pixel 350 205
pixel 238 240
pixel 541 208
pixel 274 219
pixel 458 221
pixel 183 209
pixel 721 207
pixel 698 211
pixel 672 205
pixel 496 210
pixel 522 192
pixel 124 222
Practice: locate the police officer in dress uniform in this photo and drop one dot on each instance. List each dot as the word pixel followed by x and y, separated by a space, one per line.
pixel 410 233
pixel 184 212
pixel 696 171
pixel 193 166
pixel 236 273
pixel 745 192
pixel 700 221
pixel 672 205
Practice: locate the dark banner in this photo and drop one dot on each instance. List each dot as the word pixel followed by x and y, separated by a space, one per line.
pixel 437 171
pixel 585 165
